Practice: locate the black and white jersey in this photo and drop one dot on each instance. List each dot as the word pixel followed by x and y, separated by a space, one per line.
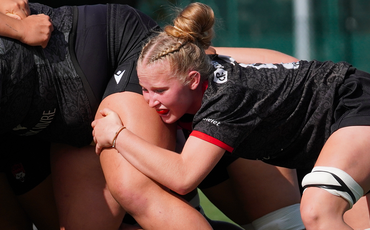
pixel 278 113
pixel 40 87
pixel 45 92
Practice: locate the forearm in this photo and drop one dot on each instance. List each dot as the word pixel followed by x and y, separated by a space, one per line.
pixel 166 167
pixel 10 27
pixel 255 55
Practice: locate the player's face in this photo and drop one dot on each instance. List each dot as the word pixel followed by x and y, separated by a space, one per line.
pixel 168 95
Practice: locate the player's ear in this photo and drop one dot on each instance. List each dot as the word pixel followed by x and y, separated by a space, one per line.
pixel 194 79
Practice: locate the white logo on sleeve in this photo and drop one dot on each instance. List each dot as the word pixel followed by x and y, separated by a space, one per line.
pixel 118 76
pixel 212 121
pixel 293 65
pixel 220 76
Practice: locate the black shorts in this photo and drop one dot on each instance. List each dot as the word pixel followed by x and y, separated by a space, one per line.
pixel 89 50
pixel 353 101
pixel 25 162
pixel 102 54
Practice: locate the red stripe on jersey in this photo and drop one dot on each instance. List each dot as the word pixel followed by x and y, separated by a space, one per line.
pixel 212 140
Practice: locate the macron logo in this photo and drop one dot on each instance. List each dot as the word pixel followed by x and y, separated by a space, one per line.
pixel 118 76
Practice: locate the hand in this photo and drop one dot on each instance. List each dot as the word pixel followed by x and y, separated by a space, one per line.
pixel 18 9
pixel 37 30
pixel 210 50
pixel 105 129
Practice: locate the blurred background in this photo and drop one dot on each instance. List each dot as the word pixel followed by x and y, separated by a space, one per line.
pixel 337 30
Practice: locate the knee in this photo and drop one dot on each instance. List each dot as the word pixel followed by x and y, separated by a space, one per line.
pixel 285 218
pixel 131 192
pixel 329 192
pixel 318 214
pixel 126 192
pixel 310 216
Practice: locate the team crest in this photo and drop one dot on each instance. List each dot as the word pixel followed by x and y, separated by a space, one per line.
pixel 19 172
pixel 220 76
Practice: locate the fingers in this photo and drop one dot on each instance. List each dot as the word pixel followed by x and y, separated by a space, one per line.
pixel 98 150
pixel 95 143
pixel 16 8
pixel 22 9
pixel 94 124
pixel 26 9
pixel 105 112
pixel 210 50
pixel 104 129
pixel 51 29
pixel 13 16
pixel 36 30
pixel 98 147
pixel 23 12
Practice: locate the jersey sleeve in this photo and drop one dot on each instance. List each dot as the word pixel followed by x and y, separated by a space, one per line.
pixel 128 30
pixel 124 79
pixel 226 114
pixel 224 118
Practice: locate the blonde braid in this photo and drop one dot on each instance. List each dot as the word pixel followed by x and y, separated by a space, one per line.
pixel 173 48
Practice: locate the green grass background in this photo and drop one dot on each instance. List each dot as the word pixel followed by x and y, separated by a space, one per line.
pixel 210 210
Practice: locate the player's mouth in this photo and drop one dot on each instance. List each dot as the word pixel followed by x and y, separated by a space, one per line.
pixel 163 111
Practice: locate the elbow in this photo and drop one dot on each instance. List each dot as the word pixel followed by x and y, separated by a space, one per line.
pixel 183 191
pixel 184 188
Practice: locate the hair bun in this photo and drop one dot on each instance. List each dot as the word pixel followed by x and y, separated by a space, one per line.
pixel 194 24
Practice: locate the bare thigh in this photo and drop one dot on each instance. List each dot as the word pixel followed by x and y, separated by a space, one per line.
pixel 347 149
pixel 254 190
pixel 153 206
pixel 82 197
pixel 12 215
pixel 36 206
pixel 224 198
pixel 358 217
pixel 39 203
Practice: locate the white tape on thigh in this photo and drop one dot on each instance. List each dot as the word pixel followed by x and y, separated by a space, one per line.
pixel 335 181
pixel 287 218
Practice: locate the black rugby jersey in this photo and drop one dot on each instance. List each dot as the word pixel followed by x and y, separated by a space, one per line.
pixel 41 86
pixel 278 113
pixel 128 30
pixel 44 93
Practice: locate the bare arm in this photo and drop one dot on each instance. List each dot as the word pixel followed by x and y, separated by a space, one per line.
pixel 255 55
pixel 34 30
pixel 179 172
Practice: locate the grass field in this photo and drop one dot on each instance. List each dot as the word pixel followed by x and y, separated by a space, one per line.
pixel 211 211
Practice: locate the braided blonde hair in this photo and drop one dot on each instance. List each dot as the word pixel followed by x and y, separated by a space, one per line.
pixel 183 44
